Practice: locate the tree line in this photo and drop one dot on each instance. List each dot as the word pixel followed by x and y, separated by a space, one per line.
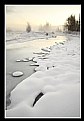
pixel 72 24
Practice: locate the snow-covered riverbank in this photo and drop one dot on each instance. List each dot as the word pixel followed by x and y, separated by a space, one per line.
pixel 57 77
pixel 19 53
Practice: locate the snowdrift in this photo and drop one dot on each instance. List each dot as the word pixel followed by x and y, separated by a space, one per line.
pixel 58 78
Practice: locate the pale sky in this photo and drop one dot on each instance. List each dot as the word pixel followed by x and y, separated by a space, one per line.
pixel 17 15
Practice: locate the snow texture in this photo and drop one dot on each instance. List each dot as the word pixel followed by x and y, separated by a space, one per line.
pixel 58 77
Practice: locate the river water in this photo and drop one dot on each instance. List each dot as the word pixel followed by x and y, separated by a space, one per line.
pixel 32 42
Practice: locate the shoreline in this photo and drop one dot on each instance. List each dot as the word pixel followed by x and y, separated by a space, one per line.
pixel 12 55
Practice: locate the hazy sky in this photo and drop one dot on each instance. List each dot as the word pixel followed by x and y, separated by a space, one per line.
pixel 18 15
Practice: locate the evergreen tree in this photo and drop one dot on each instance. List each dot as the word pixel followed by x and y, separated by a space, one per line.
pixel 71 24
pixel 28 29
pixel 79 23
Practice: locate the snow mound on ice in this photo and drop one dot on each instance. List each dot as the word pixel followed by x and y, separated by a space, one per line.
pixel 17 74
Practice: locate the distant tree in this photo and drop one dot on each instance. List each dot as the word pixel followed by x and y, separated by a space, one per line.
pixel 46 26
pixel 40 28
pixel 8 29
pixel 76 26
pixel 71 24
pixel 28 28
pixel 79 23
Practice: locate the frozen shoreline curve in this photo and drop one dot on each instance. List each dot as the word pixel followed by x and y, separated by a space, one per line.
pixel 19 52
pixel 58 77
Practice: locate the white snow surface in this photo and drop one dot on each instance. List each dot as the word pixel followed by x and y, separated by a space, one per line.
pixel 24 36
pixel 17 73
pixel 58 77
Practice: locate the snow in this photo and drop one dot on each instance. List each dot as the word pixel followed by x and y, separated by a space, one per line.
pixel 58 77
pixel 17 73
pixel 46 49
pixel 24 36
pixel 63 103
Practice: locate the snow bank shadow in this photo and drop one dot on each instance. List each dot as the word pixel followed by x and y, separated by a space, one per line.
pixel 37 98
